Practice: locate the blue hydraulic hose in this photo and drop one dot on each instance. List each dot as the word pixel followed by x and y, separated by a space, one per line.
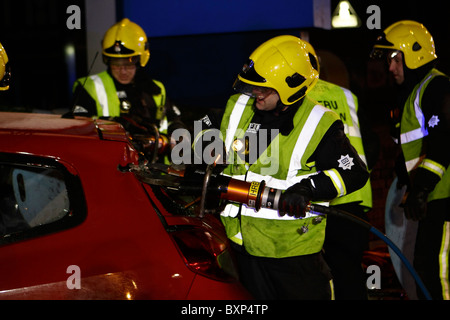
pixel 403 258
pixel 317 209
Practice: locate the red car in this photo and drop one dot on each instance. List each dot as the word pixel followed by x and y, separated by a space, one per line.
pixel 76 224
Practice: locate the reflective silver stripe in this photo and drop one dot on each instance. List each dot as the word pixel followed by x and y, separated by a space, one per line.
pixel 304 139
pixel 419 114
pixel 238 236
pixel 102 97
pixel 420 132
pixel 163 125
pixel 230 210
pixel 277 183
pixel 412 135
pixel 353 130
pixel 338 183
pixel 235 117
pixel 363 158
pixel 412 164
pixel 433 167
pixel 271 214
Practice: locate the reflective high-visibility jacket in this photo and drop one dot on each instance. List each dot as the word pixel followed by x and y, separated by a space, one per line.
pixel 413 130
pixel 345 104
pixel 281 165
pixel 102 89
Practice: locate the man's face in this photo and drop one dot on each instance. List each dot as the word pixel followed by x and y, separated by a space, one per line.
pixel 123 70
pixel 266 98
pixel 395 60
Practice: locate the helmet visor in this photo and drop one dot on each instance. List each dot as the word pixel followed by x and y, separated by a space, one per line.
pixel 249 73
pixel 378 53
pixel 258 92
pixel 381 46
pixel 120 60
pixel 384 54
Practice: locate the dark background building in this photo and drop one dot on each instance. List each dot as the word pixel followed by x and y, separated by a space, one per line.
pixel 197 47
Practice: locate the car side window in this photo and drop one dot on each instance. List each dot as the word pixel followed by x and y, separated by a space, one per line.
pixel 35 198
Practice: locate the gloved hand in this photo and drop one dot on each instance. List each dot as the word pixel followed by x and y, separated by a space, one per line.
pixel 415 205
pixel 295 199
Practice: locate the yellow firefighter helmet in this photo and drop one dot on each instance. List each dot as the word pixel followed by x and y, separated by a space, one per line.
pixel 126 39
pixel 5 72
pixel 409 37
pixel 283 64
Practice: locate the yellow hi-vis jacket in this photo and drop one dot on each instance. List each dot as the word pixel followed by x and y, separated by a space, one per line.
pixel 412 132
pixel 345 104
pixel 265 233
pixel 102 89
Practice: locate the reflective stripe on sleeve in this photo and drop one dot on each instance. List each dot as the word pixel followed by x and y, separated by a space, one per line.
pixel 433 167
pixel 338 183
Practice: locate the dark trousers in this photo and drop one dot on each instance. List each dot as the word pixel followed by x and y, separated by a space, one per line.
pixel 301 277
pixel 431 252
pixel 345 243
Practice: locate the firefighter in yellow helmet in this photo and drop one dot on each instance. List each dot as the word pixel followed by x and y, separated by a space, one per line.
pixel 421 127
pixel 5 71
pixel 124 91
pixel 292 144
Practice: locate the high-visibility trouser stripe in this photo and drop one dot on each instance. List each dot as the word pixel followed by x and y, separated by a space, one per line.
pixel 333 297
pixel 433 167
pixel 338 183
pixel 443 261
pixel 101 94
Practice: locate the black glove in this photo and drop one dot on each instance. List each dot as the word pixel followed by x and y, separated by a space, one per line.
pixel 295 199
pixel 415 205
